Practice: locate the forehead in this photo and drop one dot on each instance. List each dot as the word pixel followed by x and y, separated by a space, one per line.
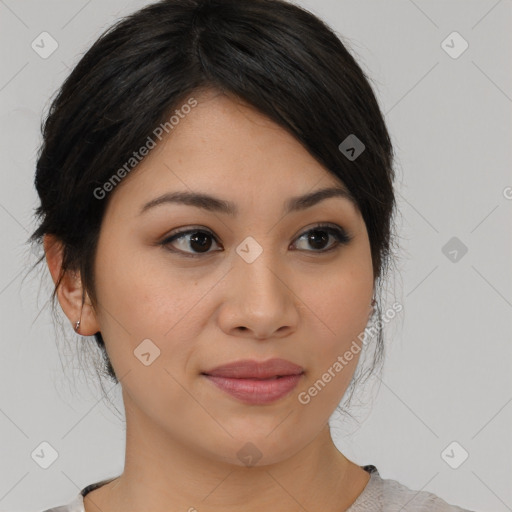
pixel 225 148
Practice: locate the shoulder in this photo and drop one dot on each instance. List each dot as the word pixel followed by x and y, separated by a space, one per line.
pixel 388 495
pixel 77 505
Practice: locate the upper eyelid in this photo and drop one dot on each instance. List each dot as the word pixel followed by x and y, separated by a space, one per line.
pixel 189 230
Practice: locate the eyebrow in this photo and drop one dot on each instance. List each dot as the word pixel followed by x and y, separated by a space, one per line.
pixel 214 204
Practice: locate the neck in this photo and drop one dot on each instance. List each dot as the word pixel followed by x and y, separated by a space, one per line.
pixel 161 474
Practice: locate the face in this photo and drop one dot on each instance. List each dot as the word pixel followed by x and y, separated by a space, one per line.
pixel 207 287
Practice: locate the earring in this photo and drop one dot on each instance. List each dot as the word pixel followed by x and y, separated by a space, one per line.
pixel 77 323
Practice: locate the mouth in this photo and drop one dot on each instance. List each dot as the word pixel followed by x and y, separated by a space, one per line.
pixel 274 377
pixel 252 369
pixel 256 383
pixel 256 391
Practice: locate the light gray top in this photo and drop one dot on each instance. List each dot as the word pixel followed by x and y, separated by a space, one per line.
pixel 380 494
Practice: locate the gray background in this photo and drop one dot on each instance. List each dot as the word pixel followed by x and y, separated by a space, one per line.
pixel 447 374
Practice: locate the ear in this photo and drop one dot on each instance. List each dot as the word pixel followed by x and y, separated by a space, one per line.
pixel 69 292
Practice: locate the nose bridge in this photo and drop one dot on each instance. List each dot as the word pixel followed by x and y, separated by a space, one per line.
pixel 258 268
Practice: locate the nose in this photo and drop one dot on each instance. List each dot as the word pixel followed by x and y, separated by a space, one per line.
pixel 260 301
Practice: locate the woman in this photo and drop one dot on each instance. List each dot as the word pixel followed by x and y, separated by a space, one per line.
pixel 216 190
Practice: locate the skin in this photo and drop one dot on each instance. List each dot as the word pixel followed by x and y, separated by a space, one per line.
pixel 182 432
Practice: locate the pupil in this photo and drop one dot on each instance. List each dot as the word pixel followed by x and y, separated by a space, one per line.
pixel 200 240
pixel 314 238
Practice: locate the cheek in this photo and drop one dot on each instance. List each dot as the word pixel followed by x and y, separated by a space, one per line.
pixel 341 305
pixel 339 308
pixel 147 300
pixel 143 295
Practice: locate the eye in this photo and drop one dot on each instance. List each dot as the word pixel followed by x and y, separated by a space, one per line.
pixel 318 237
pixel 200 240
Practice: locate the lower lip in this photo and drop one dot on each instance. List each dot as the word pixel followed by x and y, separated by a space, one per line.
pixel 256 391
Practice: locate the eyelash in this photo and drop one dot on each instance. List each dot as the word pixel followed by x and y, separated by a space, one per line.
pixel 341 236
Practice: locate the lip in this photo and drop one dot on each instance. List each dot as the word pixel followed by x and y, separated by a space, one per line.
pixel 252 369
pixel 254 382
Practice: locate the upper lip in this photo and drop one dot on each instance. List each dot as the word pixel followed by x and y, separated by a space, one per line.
pixel 249 368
